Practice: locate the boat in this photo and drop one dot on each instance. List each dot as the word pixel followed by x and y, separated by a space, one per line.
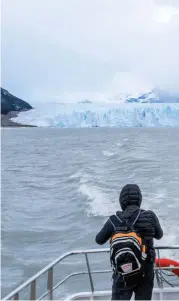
pixel 46 284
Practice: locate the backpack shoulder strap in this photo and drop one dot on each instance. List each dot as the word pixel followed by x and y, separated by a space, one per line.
pixel 131 221
pixel 134 218
pixel 119 220
pixel 112 223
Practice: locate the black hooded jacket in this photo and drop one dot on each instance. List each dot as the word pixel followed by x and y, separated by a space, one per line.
pixel 147 223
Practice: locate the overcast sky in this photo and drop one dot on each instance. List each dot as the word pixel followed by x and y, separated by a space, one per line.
pixel 51 47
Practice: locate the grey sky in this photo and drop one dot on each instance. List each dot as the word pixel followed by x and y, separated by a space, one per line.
pixel 52 47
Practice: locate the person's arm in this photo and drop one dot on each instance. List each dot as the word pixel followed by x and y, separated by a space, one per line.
pixel 158 228
pixel 105 233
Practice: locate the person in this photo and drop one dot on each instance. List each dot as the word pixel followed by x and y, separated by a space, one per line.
pixel 148 226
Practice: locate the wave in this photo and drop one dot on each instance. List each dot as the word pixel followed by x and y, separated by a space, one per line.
pixel 99 200
pixel 107 153
pixel 102 115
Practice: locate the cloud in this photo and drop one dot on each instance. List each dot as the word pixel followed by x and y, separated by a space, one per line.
pixel 105 36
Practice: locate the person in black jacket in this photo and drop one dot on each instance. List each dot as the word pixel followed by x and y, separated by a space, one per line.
pixel 148 227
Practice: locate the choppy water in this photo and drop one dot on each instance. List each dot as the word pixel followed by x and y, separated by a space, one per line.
pixel 59 186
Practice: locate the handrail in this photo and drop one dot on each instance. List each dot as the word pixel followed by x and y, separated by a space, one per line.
pixel 49 268
pixel 51 265
pixel 72 275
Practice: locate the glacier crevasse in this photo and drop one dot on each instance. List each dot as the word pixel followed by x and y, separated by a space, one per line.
pixel 102 115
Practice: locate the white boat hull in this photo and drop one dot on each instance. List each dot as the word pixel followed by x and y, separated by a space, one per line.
pixel 158 294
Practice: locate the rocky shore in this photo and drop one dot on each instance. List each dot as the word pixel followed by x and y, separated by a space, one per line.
pixel 7 122
pixel 11 106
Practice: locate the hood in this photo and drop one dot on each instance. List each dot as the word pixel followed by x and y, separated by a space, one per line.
pixel 130 195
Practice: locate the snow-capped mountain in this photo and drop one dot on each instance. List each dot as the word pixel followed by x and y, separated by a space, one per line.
pixel 154 96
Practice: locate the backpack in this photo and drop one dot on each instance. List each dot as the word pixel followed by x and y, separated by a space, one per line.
pixel 127 251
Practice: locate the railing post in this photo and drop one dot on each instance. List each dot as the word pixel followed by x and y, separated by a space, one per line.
pixel 89 273
pixel 16 296
pixel 33 290
pixel 50 283
pixel 160 282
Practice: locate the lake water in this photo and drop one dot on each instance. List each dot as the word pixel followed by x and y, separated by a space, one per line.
pixel 60 185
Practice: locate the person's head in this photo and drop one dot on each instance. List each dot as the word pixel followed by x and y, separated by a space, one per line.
pixel 130 195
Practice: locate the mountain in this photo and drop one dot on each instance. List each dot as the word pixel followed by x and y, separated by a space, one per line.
pixel 85 101
pixel 155 96
pixel 11 103
pixel 10 107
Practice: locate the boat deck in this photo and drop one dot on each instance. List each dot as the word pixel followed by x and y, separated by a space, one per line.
pixel 88 283
pixel 158 294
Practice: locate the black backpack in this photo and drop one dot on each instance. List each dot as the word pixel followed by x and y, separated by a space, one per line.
pixel 127 251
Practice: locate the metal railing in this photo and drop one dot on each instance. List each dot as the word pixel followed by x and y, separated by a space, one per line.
pixel 32 282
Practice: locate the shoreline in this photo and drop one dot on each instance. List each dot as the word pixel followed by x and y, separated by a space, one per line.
pixel 7 122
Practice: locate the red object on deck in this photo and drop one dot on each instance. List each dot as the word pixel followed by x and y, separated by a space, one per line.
pixel 165 262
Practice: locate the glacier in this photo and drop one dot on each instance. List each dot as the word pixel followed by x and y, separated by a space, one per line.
pixel 80 115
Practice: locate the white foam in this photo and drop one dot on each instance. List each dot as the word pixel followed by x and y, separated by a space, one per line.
pixel 85 178
pixel 75 175
pixel 150 199
pixel 160 195
pixel 99 201
pixel 168 239
pixel 170 236
pixel 105 203
pixel 108 153
pixel 132 176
